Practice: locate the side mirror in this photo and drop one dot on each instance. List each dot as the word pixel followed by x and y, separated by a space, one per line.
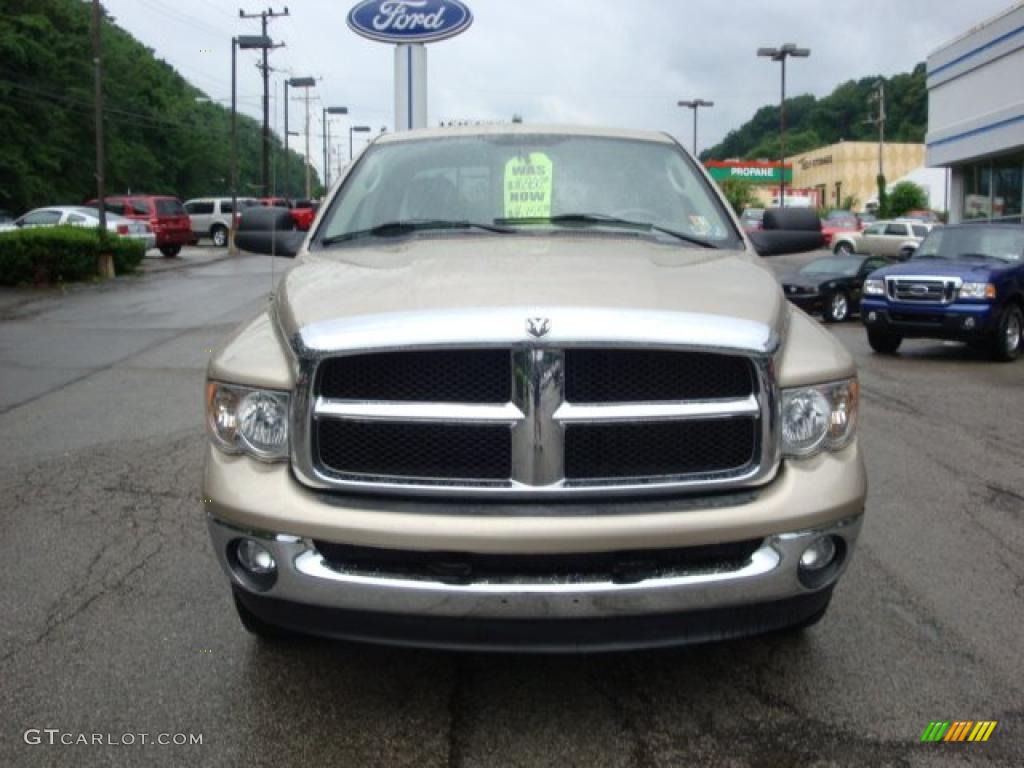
pixel 268 230
pixel 788 230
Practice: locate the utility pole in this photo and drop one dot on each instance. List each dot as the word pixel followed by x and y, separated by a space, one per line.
pixel 309 183
pixel 879 96
pixel 265 68
pixel 97 23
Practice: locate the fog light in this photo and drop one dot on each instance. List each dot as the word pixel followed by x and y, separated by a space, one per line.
pixel 819 554
pixel 969 323
pixel 255 558
pixel 872 317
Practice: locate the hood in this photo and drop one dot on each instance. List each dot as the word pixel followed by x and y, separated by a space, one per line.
pixel 390 285
pixel 968 269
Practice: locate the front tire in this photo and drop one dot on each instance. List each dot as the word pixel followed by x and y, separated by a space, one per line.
pixel 219 235
pixel 837 308
pixel 170 251
pixel 1006 343
pixel 884 343
pixel 844 249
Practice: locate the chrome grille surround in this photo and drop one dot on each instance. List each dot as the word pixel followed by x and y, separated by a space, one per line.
pixel 922 289
pixel 537 413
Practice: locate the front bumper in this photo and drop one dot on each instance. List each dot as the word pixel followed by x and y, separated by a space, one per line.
pixel 819 496
pixel 960 321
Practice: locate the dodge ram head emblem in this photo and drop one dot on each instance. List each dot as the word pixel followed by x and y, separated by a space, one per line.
pixel 537 326
pixel 919 290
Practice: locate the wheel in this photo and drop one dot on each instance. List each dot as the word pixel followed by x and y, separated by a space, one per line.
pixel 837 310
pixel 844 248
pixel 905 254
pixel 884 343
pixel 219 235
pixel 254 625
pixel 1006 342
pixel 170 250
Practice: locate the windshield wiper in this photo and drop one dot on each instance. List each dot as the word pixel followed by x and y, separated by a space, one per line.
pixel 603 219
pixel 975 256
pixel 407 226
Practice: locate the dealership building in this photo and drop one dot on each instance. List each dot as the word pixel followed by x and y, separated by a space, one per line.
pixel 976 117
pixel 835 172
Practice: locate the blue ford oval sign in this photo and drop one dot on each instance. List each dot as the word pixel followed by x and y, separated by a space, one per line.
pixel 409 21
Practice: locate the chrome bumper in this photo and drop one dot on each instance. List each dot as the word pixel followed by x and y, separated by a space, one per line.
pixel 770 575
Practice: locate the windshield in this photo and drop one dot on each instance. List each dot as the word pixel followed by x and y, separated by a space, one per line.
pixel 527 183
pixel 973 241
pixel 832 266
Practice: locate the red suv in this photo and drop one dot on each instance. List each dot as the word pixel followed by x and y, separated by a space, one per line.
pixel 165 215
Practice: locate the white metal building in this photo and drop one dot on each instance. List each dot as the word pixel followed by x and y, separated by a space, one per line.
pixel 976 117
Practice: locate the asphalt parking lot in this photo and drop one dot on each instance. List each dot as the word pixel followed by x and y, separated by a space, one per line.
pixel 117 619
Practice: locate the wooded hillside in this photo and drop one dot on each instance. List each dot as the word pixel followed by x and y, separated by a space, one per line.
pixel 812 122
pixel 159 138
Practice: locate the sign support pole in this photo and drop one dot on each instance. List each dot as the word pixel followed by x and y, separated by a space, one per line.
pixel 410 86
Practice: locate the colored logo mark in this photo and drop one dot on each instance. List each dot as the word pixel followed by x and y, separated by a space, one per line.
pixel 959 730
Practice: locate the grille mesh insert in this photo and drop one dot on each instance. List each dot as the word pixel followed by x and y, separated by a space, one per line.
pixel 468 567
pixel 416 450
pixel 439 376
pixel 627 375
pixel 597 451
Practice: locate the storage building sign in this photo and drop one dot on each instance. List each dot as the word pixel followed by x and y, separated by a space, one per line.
pixel 755 172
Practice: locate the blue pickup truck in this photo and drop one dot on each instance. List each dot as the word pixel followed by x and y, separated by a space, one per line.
pixel 964 282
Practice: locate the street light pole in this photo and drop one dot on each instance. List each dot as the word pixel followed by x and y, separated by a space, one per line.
pixel 781 54
pixel 695 104
pixel 245 42
pixel 355 129
pixel 296 82
pixel 327 142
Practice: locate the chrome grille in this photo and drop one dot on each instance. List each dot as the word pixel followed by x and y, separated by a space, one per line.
pixel 922 290
pixel 603 420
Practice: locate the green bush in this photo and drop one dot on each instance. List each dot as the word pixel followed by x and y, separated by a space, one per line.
pixel 740 194
pixel 61 254
pixel 907 196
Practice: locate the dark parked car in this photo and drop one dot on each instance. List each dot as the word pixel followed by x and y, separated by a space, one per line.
pixel 964 283
pixel 831 285
pixel 165 215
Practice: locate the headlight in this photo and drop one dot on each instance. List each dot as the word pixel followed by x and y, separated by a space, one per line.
pixel 874 287
pixel 977 291
pixel 248 420
pixel 819 417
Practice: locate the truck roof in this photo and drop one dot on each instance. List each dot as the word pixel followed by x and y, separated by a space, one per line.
pixel 494 129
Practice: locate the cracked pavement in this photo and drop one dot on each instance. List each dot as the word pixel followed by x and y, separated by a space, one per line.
pixel 117 619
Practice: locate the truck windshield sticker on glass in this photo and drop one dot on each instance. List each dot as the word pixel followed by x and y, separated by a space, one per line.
pixel 528 181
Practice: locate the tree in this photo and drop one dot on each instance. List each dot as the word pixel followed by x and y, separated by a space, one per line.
pixel 906 196
pixel 739 193
pixel 163 135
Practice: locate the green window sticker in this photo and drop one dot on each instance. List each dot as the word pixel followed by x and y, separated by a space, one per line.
pixel 528 183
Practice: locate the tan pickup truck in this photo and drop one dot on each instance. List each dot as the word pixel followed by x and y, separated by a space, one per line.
pixel 530 388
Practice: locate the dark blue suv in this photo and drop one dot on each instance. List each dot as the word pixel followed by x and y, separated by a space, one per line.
pixel 964 282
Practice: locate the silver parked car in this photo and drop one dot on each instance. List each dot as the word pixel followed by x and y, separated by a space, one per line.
pixel 84 216
pixel 894 239
pixel 211 216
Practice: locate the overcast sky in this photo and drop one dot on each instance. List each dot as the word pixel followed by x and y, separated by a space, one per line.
pixel 609 62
